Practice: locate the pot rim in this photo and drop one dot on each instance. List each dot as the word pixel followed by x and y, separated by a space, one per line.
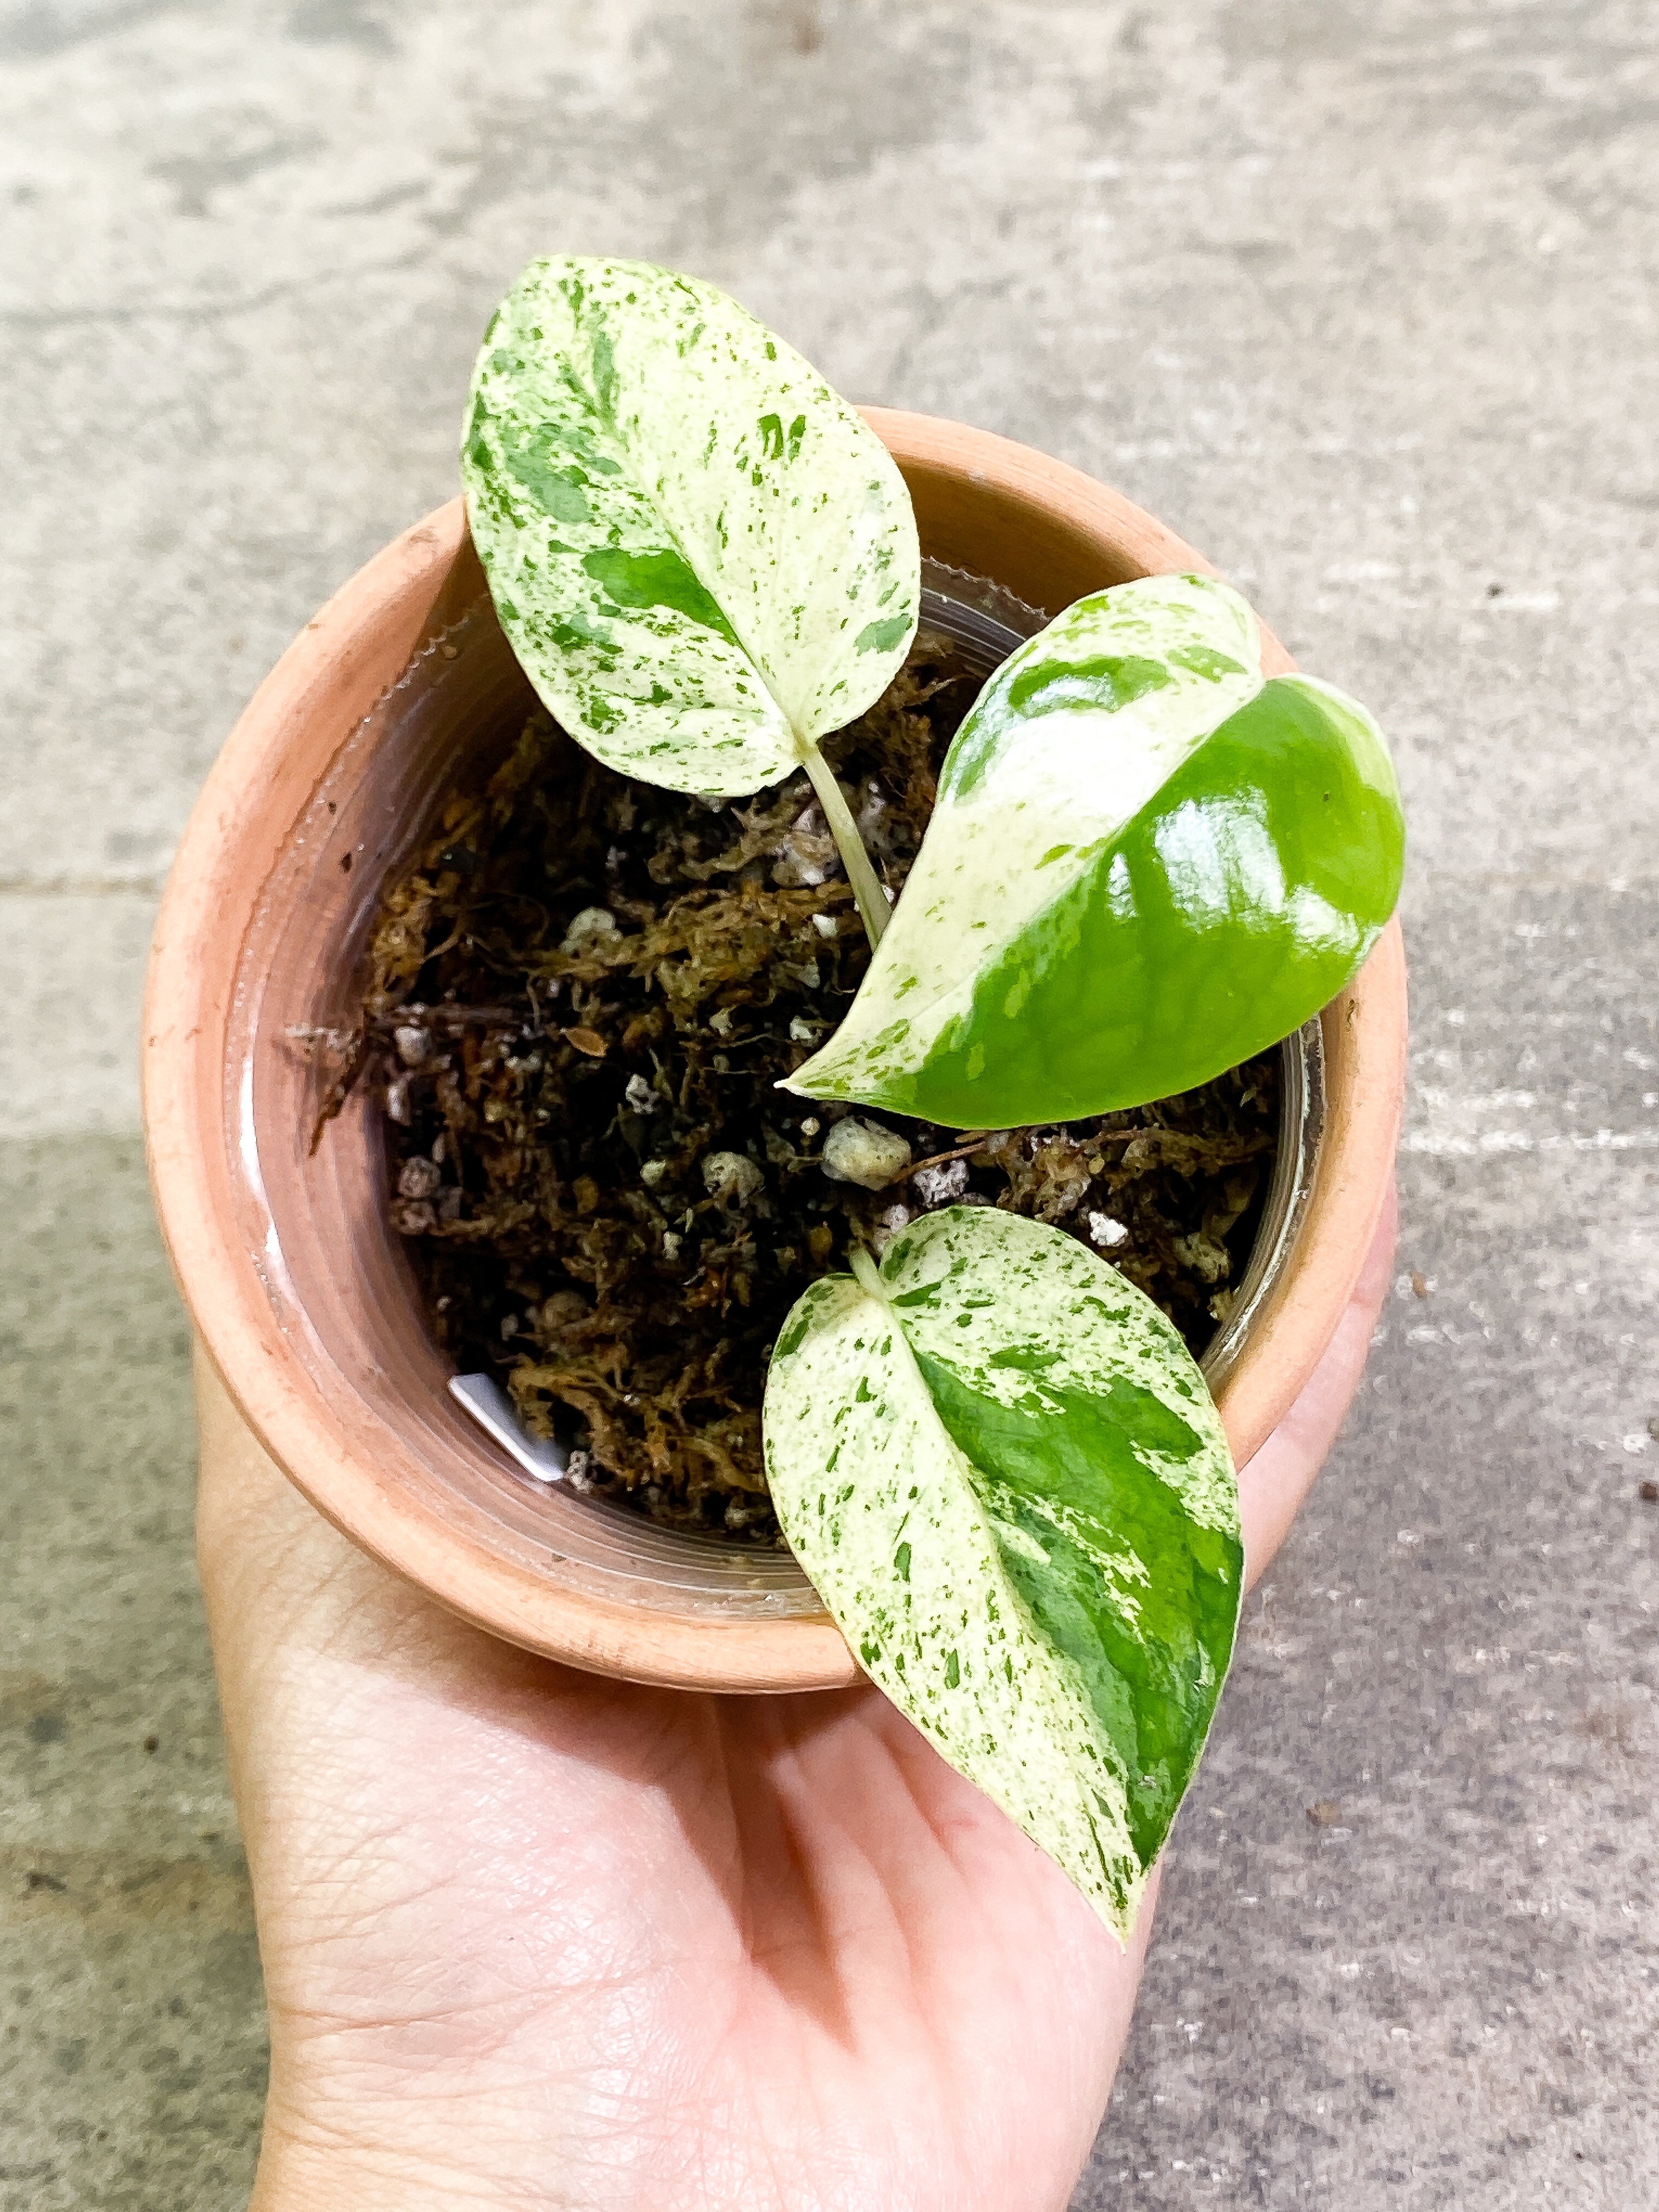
pixel 344 659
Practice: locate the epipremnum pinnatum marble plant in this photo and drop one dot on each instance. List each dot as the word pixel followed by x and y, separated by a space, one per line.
pixel 994 1457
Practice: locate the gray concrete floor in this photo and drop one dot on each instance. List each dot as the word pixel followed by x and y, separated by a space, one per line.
pixel 1362 299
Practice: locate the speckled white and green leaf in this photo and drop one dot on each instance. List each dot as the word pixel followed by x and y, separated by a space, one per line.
pixel 1001 1469
pixel 704 558
pixel 1145 863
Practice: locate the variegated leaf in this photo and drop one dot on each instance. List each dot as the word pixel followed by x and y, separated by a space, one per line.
pixel 704 558
pixel 1000 1467
pixel 1147 863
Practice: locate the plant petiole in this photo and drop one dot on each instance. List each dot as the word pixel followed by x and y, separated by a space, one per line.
pixel 860 870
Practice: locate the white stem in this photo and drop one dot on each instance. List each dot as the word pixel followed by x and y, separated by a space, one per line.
pixel 860 871
pixel 869 1275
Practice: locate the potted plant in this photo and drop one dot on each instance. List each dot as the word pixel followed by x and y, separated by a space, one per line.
pixel 1151 854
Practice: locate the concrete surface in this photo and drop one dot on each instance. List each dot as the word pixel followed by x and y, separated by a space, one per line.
pixel 1362 298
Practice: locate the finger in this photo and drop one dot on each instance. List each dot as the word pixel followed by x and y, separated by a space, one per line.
pixel 1271 1487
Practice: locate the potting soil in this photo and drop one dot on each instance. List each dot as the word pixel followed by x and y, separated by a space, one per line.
pixel 580 997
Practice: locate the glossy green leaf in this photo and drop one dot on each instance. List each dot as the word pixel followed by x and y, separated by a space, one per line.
pixel 1000 1467
pixel 1146 864
pixel 704 558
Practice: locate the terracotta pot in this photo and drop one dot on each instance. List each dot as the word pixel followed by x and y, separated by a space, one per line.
pixel 301 1294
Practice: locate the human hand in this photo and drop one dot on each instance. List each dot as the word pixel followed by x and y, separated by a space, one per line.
pixel 534 1938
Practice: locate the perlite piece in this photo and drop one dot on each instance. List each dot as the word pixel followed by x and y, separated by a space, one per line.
pixel 731 1177
pixel 864 1152
pixel 594 927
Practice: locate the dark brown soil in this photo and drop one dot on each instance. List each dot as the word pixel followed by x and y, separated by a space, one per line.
pixel 581 998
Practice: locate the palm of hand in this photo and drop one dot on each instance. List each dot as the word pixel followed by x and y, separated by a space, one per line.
pixel 533 1938
pixel 538 1938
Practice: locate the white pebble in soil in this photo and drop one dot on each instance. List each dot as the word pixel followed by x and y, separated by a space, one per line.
pixel 419 1178
pixel 731 1177
pixel 895 1219
pixel 592 930
pixel 1106 1232
pixel 807 855
pixel 939 1186
pixel 864 1153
